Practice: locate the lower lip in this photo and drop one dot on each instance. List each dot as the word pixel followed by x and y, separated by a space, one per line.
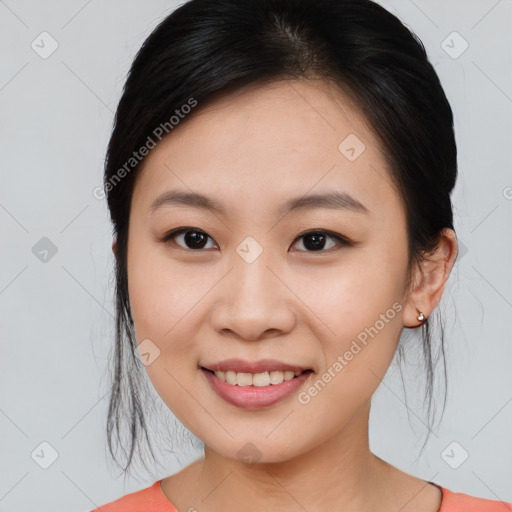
pixel 255 397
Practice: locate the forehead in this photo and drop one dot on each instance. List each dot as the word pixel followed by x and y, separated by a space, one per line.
pixel 254 149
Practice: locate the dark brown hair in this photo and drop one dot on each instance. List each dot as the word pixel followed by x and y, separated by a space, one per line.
pixel 206 47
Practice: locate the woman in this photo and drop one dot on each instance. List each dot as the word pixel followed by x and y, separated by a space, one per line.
pixel 279 180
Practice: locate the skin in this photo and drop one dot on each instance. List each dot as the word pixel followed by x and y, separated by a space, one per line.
pixel 252 151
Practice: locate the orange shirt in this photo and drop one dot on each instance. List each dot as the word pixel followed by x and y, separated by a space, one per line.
pixel 152 499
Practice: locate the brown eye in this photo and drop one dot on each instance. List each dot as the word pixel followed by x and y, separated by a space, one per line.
pixel 191 238
pixel 316 241
pixel 313 241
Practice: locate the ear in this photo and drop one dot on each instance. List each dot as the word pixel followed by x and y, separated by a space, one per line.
pixel 429 279
pixel 114 246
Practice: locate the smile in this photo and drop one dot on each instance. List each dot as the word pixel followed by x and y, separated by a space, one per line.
pixel 254 391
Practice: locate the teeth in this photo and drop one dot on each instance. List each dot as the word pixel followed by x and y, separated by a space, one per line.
pixel 255 379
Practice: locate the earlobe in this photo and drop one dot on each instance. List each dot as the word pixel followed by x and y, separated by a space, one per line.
pixel 430 279
pixel 114 246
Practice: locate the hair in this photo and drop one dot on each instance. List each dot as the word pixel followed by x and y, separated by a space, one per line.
pixel 206 48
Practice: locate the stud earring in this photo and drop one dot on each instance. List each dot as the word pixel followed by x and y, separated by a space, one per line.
pixel 421 317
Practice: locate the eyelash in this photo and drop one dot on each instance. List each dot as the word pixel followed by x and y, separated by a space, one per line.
pixel 342 241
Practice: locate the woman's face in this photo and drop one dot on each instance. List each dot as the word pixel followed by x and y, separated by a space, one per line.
pixel 243 283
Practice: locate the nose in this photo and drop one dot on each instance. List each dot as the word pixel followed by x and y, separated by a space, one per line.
pixel 253 302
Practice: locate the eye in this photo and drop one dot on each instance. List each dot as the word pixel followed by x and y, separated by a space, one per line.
pixel 194 238
pixel 316 240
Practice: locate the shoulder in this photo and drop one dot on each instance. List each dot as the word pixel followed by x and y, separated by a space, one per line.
pixel 150 499
pixel 459 502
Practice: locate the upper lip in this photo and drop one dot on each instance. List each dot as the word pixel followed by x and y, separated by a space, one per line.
pixel 263 365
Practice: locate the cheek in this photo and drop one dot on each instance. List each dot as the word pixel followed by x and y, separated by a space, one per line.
pixel 162 306
pixel 162 293
pixel 360 303
pixel 353 294
pixel 167 301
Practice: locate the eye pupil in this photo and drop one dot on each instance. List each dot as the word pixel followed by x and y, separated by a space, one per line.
pixel 193 237
pixel 318 240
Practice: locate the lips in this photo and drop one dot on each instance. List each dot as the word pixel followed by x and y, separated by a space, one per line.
pixel 254 397
pixel 263 365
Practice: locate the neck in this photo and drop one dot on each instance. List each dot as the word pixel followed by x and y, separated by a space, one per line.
pixel 339 474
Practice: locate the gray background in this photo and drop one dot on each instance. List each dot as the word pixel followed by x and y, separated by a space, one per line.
pixel 57 315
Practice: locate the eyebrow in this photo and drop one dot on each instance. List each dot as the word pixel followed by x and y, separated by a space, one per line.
pixel 330 200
